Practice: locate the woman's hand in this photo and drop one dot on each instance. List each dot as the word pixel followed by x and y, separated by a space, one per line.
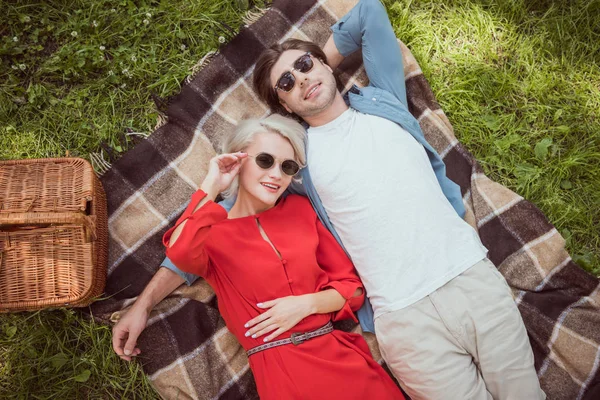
pixel 283 314
pixel 222 170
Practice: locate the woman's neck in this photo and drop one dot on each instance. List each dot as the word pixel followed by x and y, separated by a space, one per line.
pixel 246 205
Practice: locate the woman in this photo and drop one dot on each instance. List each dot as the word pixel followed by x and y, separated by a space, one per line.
pixel 277 272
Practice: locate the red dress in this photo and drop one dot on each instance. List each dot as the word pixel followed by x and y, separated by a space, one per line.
pixel 244 270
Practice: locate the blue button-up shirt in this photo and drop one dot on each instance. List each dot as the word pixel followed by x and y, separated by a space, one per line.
pixel 367 27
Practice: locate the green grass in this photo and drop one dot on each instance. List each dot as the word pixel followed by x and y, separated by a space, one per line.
pixel 519 80
pixel 59 355
pixel 76 73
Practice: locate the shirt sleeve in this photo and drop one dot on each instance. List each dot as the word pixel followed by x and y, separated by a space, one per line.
pixel 188 278
pixel 368 27
pixel 341 273
pixel 188 253
pixel 297 188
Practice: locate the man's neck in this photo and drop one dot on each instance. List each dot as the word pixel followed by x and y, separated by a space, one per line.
pixel 337 108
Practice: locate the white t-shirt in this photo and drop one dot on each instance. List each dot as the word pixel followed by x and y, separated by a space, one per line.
pixel 382 196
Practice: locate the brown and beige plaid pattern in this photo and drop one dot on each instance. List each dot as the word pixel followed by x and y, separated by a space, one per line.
pixel 187 350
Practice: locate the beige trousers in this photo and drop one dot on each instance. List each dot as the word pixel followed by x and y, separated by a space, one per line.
pixel 464 341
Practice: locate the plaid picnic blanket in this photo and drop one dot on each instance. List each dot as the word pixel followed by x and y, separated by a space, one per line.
pixel 187 350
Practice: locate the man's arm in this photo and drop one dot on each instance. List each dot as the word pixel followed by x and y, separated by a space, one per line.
pixel 334 57
pixel 368 27
pixel 131 325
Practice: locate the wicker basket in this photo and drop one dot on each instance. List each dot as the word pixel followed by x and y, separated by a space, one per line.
pixel 53 234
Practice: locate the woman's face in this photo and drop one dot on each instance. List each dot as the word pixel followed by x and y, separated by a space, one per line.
pixel 266 185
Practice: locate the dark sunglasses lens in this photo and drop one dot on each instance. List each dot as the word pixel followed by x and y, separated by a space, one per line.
pixel 264 160
pixel 304 64
pixel 286 82
pixel 290 167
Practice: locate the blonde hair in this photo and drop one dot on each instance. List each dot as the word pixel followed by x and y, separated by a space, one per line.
pixel 244 133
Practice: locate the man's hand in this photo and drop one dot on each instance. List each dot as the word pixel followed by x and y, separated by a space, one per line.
pixel 129 327
pixel 283 314
pixel 127 331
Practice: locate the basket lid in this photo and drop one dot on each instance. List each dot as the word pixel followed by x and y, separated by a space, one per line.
pixel 45 185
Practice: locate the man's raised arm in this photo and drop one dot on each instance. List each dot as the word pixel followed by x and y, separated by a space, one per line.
pixel 368 27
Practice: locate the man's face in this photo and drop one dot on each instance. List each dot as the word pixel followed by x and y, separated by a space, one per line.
pixel 313 91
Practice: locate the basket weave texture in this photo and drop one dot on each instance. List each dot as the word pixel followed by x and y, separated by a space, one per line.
pixel 53 234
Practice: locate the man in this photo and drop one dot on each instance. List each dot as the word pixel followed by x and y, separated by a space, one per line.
pixel 444 317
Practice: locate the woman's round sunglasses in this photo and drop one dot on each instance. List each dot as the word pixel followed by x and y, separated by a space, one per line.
pixel 266 161
pixel 287 80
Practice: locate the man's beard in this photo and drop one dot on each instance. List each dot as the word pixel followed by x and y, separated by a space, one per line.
pixel 327 97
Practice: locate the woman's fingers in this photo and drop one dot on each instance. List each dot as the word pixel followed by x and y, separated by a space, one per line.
pixel 226 161
pixel 229 161
pixel 275 334
pixel 257 319
pixel 265 330
pixel 268 304
pixel 232 157
pixel 253 331
pixel 235 169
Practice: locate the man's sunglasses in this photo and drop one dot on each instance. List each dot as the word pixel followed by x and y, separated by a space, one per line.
pixel 266 161
pixel 287 80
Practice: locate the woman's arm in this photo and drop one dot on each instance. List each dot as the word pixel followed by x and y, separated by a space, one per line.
pixel 187 250
pixel 341 272
pixel 286 312
pixel 328 301
pixel 221 172
pixel 211 195
pixel 185 241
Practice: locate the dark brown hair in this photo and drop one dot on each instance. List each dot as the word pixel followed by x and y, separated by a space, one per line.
pixel 261 78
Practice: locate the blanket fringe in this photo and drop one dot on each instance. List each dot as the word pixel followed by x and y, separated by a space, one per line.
pixel 161 120
pixel 99 163
pixel 142 134
pixel 200 64
pixel 249 18
pixel 254 15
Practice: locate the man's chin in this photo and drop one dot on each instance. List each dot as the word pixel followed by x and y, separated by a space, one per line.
pixel 312 110
pixel 314 107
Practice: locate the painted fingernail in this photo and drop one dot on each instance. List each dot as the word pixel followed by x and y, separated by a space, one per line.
pixel 254 336
pixel 259 304
pixel 247 334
